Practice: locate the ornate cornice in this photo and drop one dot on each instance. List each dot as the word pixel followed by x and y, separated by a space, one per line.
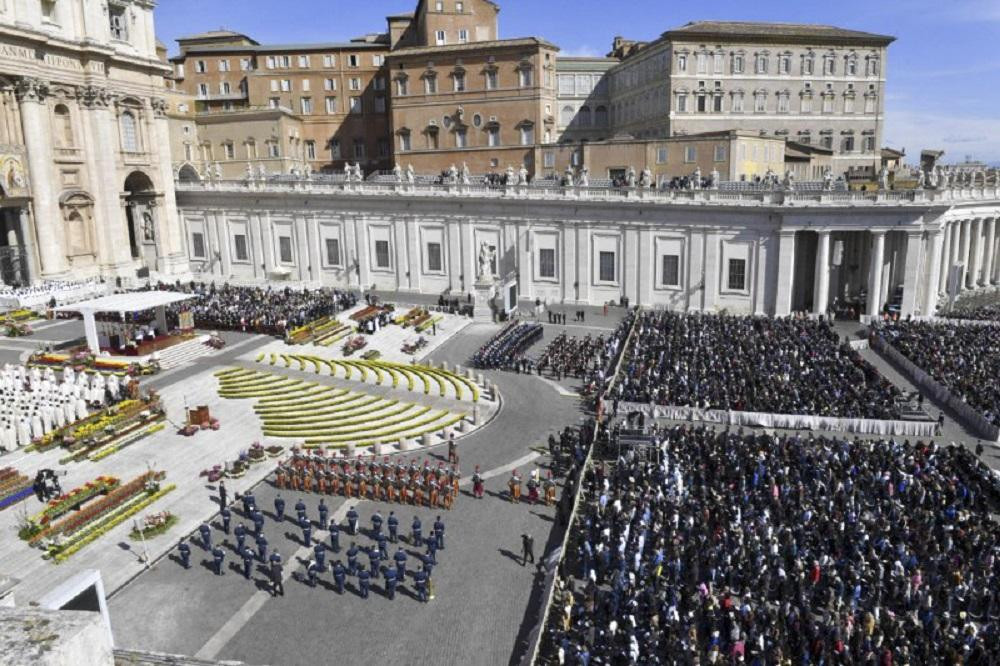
pixel 31 89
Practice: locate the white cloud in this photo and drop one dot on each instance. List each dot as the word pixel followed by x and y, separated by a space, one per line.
pixel 958 136
pixel 581 51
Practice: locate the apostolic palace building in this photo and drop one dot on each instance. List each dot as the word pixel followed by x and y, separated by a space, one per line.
pixel 721 166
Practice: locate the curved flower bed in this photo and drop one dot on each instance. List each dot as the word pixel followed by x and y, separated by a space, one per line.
pixel 461 386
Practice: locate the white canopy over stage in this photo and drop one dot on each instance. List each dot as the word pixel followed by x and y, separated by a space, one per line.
pixel 134 301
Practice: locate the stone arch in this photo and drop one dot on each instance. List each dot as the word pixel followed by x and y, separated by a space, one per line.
pixel 188 174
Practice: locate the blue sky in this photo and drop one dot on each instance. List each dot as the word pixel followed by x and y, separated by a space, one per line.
pixel 944 74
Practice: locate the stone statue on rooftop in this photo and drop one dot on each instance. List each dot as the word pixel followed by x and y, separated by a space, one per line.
pixel 827 179
pixel 646 178
pixel 714 179
pixel 522 175
pixel 696 179
pixel 630 177
pixel 466 175
pixel 921 179
pixel 410 176
pixel 883 178
pixel 584 180
pixel 452 175
pixel 397 173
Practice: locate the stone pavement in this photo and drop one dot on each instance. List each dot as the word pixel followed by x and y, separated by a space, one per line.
pixel 183 458
pixel 388 341
pixel 483 593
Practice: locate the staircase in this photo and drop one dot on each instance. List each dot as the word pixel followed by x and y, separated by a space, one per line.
pixel 184 353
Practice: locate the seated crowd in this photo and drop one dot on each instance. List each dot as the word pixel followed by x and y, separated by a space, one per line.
pixel 505 350
pixel 255 309
pixel 979 307
pixel 751 364
pixel 965 359
pixel 764 549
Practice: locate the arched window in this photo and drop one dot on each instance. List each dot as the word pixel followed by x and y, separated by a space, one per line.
pixel 567 115
pixel 130 133
pixel 601 116
pixel 64 127
pixel 584 116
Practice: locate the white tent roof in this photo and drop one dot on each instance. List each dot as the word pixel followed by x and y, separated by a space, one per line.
pixel 135 301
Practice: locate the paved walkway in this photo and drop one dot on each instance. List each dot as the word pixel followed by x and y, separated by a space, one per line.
pixel 482 591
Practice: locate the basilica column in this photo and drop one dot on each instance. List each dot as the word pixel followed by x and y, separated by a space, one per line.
pixel 875 273
pixel 934 275
pixel 31 94
pixel 956 247
pixel 911 271
pixel 944 264
pixel 170 244
pixel 821 288
pixel 990 251
pixel 964 253
pixel 975 253
pixel 786 272
pixel 110 219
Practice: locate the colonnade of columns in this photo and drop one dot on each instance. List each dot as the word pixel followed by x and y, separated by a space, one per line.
pixel 972 252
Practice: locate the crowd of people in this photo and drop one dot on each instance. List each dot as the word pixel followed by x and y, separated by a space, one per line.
pixel 366 563
pixel 568 356
pixel 255 309
pixel 979 307
pixel 506 349
pixel 732 547
pixel 786 365
pixel 965 359
pixel 35 402
pixel 377 480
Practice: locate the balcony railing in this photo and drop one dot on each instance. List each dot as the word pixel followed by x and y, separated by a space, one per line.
pixel 222 97
pixel 777 196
